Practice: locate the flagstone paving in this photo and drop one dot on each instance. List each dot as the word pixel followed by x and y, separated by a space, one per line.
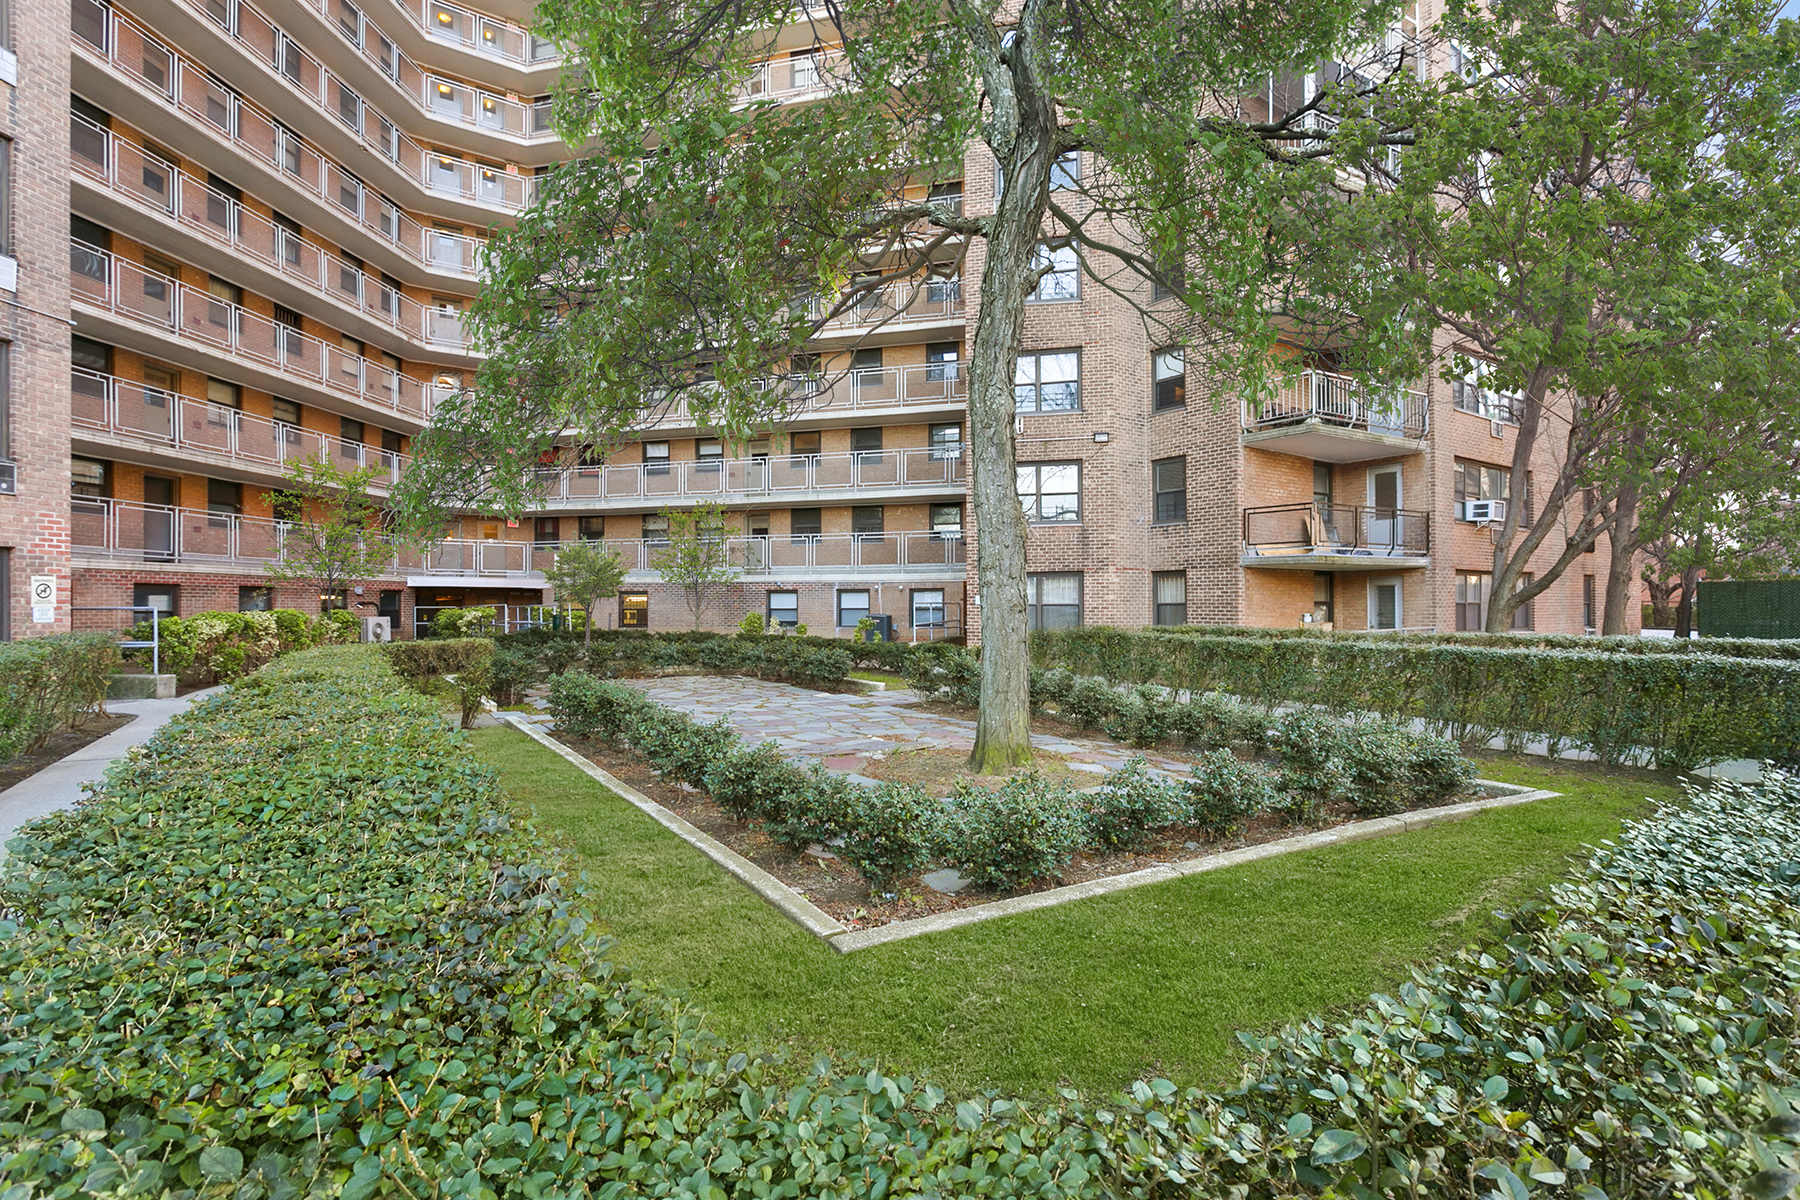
pixel 843 730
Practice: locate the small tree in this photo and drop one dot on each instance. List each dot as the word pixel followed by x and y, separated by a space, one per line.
pixel 334 532
pixel 696 560
pixel 585 574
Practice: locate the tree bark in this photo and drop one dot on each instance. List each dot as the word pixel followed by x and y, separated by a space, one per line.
pixel 1022 132
pixel 1684 612
pixel 1621 578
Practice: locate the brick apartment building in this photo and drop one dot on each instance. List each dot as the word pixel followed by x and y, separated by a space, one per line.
pixel 275 210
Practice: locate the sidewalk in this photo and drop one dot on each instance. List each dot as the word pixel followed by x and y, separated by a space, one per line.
pixel 58 786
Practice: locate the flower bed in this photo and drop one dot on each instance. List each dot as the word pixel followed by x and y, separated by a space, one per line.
pixel 1023 833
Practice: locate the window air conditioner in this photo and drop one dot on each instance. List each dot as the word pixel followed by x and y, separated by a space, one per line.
pixel 947 531
pixel 1483 512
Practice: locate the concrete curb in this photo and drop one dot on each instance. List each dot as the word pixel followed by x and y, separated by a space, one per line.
pixel 845 941
pixel 779 896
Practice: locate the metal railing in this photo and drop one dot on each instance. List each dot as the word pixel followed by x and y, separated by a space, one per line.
pixel 455 25
pixel 127 408
pixel 153 645
pixel 128 290
pixel 766 476
pixel 136 54
pixel 931 385
pixel 1293 529
pixel 152 183
pixel 474 107
pixel 1344 401
pixel 799 76
pixel 901 304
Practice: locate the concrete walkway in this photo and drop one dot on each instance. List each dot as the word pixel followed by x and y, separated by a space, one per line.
pixel 58 786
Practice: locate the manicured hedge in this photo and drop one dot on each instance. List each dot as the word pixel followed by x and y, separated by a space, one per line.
pixel 1586 643
pixel 535 655
pixel 466 662
pixel 48 683
pixel 217 647
pixel 299 945
pixel 1681 710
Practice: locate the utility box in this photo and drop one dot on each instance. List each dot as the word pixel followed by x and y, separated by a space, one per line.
pixel 377 629
pixel 884 628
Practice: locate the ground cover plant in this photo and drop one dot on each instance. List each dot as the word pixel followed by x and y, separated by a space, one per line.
pixel 387 985
pixel 48 684
pixel 1022 831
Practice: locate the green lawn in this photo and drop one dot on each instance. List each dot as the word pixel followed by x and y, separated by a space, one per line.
pixel 1091 994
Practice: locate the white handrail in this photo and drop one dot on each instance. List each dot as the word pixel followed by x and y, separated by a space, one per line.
pixel 917 468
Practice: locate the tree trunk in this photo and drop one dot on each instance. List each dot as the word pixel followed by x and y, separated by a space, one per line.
pixel 1662 598
pixel 1684 612
pixel 587 628
pixel 1621 578
pixel 1022 133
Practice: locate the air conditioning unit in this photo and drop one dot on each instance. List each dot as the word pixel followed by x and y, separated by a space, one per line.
pixel 947 531
pixel 377 629
pixel 1484 512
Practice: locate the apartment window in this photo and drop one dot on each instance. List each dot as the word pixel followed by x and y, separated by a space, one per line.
pixel 88 477
pixel 866 445
pixel 1587 602
pixel 710 452
pixel 5 415
pixel 1053 601
pixel 350 430
pixel 1472 394
pixel 946 521
pixel 634 610
pixel 656 458
pixel 1472 481
pixel 1061 278
pixel 946 440
pixel 866 359
pixel 165 598
pixel 225 299
pixel 1168 481
pixel 6 246
pixel 256 599
pixel 784 609
pixel 1065 172
pixel 1168 597
pixel 928 608
pixel 1048 382
pixel 224 496
pixel 590 529
pixel 1521 618
pixel 287 331
pixel 1472 600
pixel 1384 604
pixel 1168 371
pixel 1050 492
pixel 547 530
pixel 868 522
pixel 222 202
pixel 804 445
pixel 1324 597
pixel 87 130
pixel 656 528
pixel 804 523
pixel 87 256
pixel 1169 280
pixel 852 607
pixel 940 361
pixel 943 289
pixel 223 401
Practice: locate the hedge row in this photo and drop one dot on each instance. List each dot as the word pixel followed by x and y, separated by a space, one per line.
pixel 1587 643
pixel 48 683
pixel 1027 829
pixel 528 658
pixel 218 647
pixel 298 945
pixel 467 663
pixel 1678 710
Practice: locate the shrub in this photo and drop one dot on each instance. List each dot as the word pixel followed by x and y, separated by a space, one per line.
pixel 679 746
pixel 467 663
pixel 588 707
pixel 752 784
pixel 1089 702
pixel 1122 811
pixel 513 671
pixel 48 683
pixel 818 808
pixel 1143 716
pixel 1050 686
pixel 753 624
pixel 1226 793
pixel 1025 830
pixel 939 671
pixel 890 832
pixel 463 622
pixel 1313 750
pixel 1437 771
pixel 1379 758
pixel 339 627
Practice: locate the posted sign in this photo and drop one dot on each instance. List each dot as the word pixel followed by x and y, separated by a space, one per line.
pixel 43 599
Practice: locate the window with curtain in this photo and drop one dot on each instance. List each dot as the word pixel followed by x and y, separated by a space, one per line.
pixel 1053 600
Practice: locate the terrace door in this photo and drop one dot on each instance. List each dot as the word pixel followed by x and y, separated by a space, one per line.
pixel 159 519
pixel 1384 506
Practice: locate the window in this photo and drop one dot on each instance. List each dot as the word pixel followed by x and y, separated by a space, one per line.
pixel 1472 600
pixel 851 608
pixel 350 430
pixel 1169 281
pixel 256 599
pixel 784 608
pixel 1324 597
pixel 286 411
pixel 946 441
pixel 866 441
pixel 1061 279
pixel 1050 491
pixel 591 529
pixel 6 415
pixel 942 290
pixel 165 598
pixel 1168 372
pixel 656 528
pixel 946 521
pixel 1521 618
pixel 1472 481
pixel 6 244
pixel 710 452
pixel 805 523
pixel 287 332
pixel 1322 485
pixel 634 610
pixel 1472 395
pixel 225 498
pixel 547 531
pixel 656 458
pixel 88 477
pixel 226 298
pixel 1168 598
pixel 1053 601
pixel 940 361
pixel 928 608
pixel 1168 480
pixel 867 522
pixel 804 445
pixel 1587 602
pixel 1049 382
pixel 1384 604
pixel 1065 172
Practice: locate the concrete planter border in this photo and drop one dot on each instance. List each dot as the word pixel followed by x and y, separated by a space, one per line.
pixel 828 929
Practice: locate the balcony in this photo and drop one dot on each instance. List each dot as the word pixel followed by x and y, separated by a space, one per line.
pixel 1337 418
pixel 147 300
pixel 149 184
pixel 797 77
pixel 130 52
pixel 776 479
pixel 935 302
pixel 445 24
pixel 132 416
pixel 856 393
pixel 1335 537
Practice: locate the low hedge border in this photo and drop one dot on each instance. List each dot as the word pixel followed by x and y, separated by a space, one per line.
pixel 298 944
pixel 1587 643
pixel 49 683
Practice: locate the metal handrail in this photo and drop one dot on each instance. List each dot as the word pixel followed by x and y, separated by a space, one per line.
pixel 155 642
pixel 1345 401
pixel 917 468
pixel 1341 529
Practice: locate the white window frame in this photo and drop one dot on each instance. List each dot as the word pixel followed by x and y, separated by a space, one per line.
pixel 1060 284
pixel 1399 586
pixel 1034 509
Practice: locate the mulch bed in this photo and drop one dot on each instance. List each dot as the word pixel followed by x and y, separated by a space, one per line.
pixel 835 887
pixel 59 747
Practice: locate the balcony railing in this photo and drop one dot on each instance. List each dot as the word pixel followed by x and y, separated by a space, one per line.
pixel 901 304
pixel 133 52
pixel 150 182
pixel 159 419
pixel 131 531
pixel 1343 401
pixel 147 298
pixel 770 476
pixel 932 385
pixel 1287 530
pixel 795 77
pixel 455 25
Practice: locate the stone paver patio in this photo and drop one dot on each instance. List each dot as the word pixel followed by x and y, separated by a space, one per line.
pixel 843 730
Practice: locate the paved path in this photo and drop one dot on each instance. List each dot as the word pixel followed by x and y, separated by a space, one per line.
pixel 843 729
pixel 58 786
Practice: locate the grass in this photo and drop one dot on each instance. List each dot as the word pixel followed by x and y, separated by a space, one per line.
pixel 1094 994
pixel 887 677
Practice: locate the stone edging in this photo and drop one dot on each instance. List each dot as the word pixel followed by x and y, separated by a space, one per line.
pixel 825 927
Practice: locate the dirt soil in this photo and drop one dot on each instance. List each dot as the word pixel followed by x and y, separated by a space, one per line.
pixel 937 770
pixel 831 884
pixel 59 747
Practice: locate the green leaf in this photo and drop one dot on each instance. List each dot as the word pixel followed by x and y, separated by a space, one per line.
pixel 1772 1183
pixel 1337 1146
pixel 222 1163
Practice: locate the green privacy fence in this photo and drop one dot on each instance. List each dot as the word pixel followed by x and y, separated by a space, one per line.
pixel 1748 608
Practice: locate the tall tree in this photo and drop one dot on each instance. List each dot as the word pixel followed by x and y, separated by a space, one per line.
pixel 1570 222
pixel 583 575
pixel 697 558
pixel 335 532
pixel 705 237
